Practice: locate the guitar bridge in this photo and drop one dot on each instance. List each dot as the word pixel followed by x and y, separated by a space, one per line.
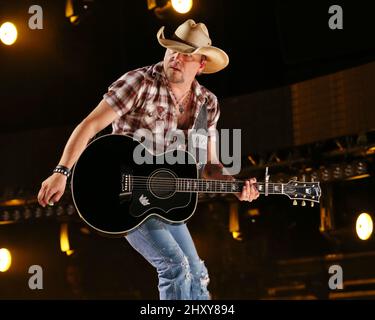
pixel 126 184
pixel 126 188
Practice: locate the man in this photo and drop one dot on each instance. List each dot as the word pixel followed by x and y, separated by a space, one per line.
pixel 166 93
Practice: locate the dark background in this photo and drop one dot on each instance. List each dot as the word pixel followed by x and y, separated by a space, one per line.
pixel 52 78
pixel 55 76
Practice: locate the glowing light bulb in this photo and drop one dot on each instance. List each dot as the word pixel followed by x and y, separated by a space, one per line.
pixel 5 260
pixel 8 33
pixel 364 226
pixel 182 6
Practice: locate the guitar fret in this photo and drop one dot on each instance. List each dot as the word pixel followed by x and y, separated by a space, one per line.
pixel 221 186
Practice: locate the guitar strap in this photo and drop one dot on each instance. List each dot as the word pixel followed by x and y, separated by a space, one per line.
pixel 201 125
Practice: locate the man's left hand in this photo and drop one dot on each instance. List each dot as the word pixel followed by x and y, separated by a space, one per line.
pixel 249 191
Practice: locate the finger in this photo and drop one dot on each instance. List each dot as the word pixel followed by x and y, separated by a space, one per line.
pixel 255 193
pixel 56 197
pixel 252 195
pixel 254 188
pixel 248 189
pixel 49 194
pixel 41 196
pixel 41 192
pixel 243 194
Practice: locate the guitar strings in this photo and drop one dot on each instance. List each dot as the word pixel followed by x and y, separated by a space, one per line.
pixel 202 187
pixel 169 180
pixel 207 191
pixel 196 181
pixel 204 180
pixel 183 181
pixel 142 178
pixel 173 184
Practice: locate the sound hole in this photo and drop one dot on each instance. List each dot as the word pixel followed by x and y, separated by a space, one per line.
pixel 162 184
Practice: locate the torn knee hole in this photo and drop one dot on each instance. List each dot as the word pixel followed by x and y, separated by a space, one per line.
pixel 204 279
pixel 185 264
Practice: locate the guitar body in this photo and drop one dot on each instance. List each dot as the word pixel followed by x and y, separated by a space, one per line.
pixel 114 195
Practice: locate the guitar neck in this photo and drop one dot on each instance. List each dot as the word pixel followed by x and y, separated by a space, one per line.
pixel 224 186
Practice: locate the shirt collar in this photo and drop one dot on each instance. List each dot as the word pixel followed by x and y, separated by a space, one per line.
pixel 158 70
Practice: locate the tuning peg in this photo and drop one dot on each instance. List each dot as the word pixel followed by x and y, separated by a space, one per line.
pixel 303 203
pixel 312 204
pixel 295 203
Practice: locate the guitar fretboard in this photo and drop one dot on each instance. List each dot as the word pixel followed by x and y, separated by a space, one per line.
pixel 222 186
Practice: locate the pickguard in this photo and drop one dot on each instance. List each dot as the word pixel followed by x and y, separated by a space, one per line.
pixel 143 202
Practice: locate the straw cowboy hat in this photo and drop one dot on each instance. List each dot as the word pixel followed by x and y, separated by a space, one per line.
pixel 193 38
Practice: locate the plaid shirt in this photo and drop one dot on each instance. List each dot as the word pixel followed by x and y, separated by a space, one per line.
pixel 142 99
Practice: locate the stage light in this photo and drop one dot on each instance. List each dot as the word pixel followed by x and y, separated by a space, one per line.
pixel 5 217
pixel 182 6
pixel 76 10
pixel 161 7
pixel 49 212
pixel 27 214
pixel 16 215
pixel 252 161
pixel 8 33
pixel 60 211
pixel 349 170
pixel 314 176
pixel 70 210
pixel 237 235
pixel 253 213
pixel 234 221
pixel 38 213
pixel 64 240
pixel 361 168
pixel 5 260
pixel 364 226
pixel 324 174
pixel 337 172
pixel 13 203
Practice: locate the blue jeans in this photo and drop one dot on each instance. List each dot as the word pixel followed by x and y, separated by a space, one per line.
pixel 171 250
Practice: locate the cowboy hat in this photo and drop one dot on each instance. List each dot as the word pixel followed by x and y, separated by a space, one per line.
pixel 193 38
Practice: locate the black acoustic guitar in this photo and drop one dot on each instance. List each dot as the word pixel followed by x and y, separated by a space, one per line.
pixel 113 194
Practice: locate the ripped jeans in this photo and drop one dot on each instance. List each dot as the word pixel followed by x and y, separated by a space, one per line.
pixel 171 250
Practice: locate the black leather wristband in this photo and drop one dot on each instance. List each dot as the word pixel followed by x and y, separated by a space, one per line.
pixel 63 170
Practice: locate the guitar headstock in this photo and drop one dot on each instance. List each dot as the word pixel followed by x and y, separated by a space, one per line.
pixel 304 191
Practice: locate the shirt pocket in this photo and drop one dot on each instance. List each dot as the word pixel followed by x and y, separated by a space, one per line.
pixel 154 112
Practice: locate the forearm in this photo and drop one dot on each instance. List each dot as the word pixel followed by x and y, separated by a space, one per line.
pixel 77 142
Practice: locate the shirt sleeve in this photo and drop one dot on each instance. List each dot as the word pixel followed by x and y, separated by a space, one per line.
pixel 124 93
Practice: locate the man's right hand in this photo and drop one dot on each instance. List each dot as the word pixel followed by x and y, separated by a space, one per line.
pixel 52 189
